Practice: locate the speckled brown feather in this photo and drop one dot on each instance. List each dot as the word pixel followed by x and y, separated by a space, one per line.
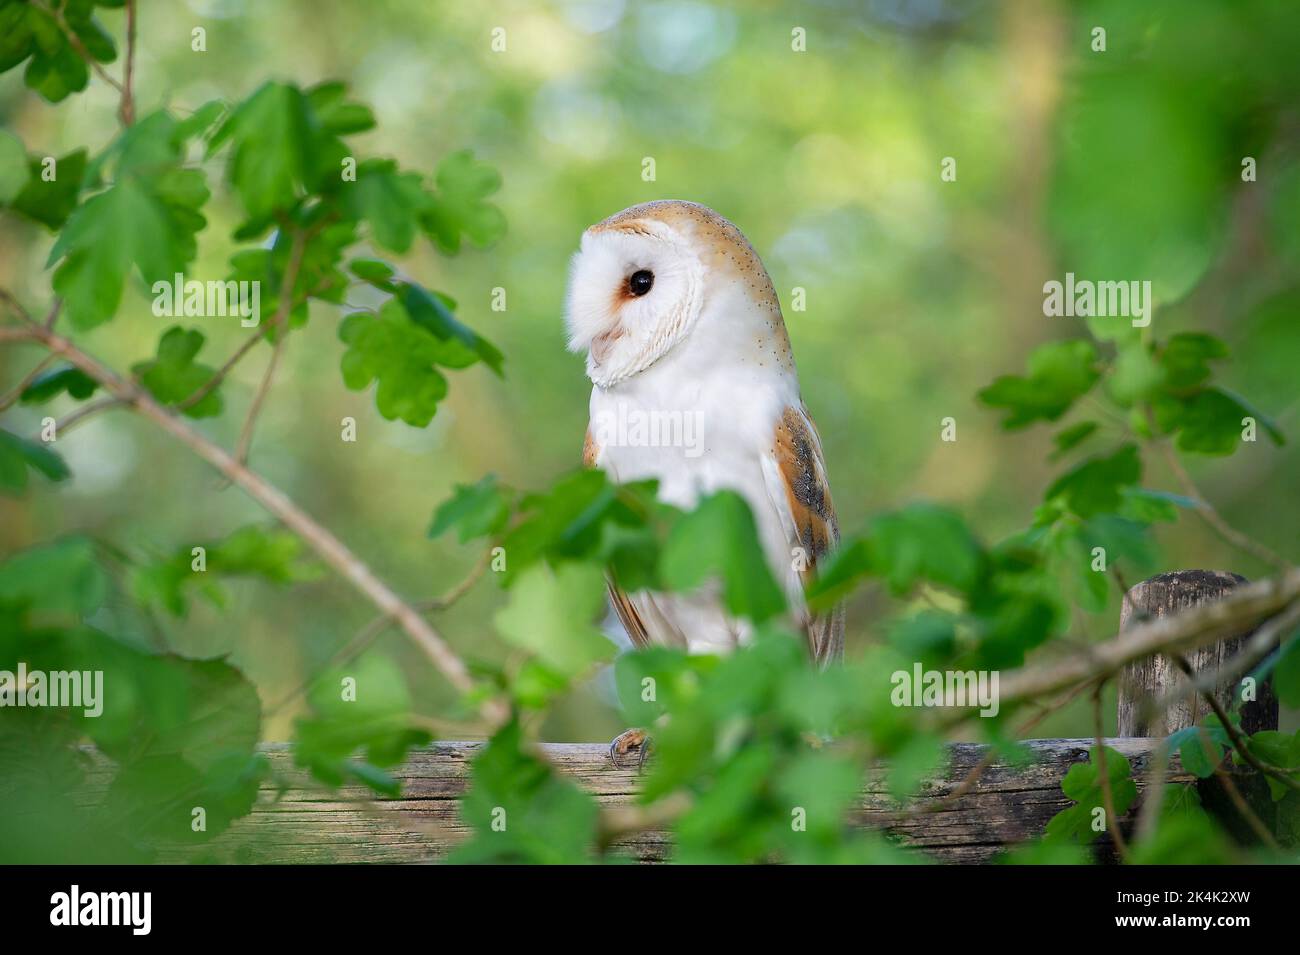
pixel 798 453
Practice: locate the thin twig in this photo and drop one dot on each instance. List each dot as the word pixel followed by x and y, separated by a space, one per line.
pixel 280 323
pixel 1260 644
pixel 53 315
pixel 1238 741
pixel 987 760
pixel 19 310
pixel 1153 792
pixel 1243 808
pixel 219 376
pixel 85 411
pixel 376 627
pixel 1214 519
pixel 80 47
pixel 17 392
pixel 126 109
pixel 221 373
pixel 1107 797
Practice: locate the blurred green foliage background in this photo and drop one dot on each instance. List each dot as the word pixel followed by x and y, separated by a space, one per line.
pixel 1122 164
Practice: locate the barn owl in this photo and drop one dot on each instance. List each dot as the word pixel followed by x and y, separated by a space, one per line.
pixel 694 384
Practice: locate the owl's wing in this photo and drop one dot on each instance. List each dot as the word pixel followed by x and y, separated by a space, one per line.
pixel 798 487
pixel 618 599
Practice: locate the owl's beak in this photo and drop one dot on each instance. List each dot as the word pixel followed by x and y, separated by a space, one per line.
pixel 603 343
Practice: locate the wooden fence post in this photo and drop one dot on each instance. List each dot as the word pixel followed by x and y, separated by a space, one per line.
pixel 1146 680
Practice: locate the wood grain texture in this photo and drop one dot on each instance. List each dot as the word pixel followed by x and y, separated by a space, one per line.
pixel 1150 678
pixel 305 824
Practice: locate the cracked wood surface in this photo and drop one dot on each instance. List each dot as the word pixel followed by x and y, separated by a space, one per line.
pixel 304 823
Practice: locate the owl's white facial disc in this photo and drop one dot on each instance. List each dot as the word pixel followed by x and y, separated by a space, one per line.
pixel 634 293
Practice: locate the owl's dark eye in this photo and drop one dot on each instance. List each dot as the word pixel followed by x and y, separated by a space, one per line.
pixel 640 282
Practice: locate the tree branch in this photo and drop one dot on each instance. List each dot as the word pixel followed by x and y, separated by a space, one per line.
pixel 1256 648
pixel 1241 610
pixel 330 549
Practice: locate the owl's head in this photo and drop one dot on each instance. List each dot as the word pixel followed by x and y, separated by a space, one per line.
pixel 642 278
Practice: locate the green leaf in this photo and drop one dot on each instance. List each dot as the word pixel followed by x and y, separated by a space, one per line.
pixel 374 272
pixel 270 135
pixel 1138 142
pixel 363 707
pixel 924 542
pixel 337 116
pixel 919 542
pixel 824 785
pixel 14 171
pixel 1184 839
pixel 1043 852
pixel 478 510
pixel 1072 437
pixel 521 810
pixel 55 69
pixel 1097 485
pixel 153 798
pixel 1186 357
pixel 1276 749
pixel 51 201
pixel 63 576
pixel 918 759
pixel 586 518
pixel 463 346
pixel 1286 674
pixel 17 455
pixel 201 711
pixel 1135 375
pixel 390 348
pixel 1149 507
pixel 144 221
pixel 54 382
pixel 1059 374
pixel 719 540
pixel 200 122
pixel 1083 785
pixel 1200 749
pixel 174 375
pixel 1211 421
pixel 550 614
pixel 390 200
pixel 272 555
pixel 94 38
pixel 458 207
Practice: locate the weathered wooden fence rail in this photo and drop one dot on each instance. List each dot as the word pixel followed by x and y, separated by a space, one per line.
pixel 1007 804
pixel 957 817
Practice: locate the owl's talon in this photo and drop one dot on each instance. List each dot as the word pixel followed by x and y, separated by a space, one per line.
pixel 626 742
